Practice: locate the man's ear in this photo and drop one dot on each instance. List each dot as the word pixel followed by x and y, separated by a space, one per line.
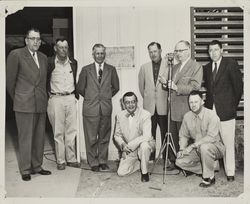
pixel 55 48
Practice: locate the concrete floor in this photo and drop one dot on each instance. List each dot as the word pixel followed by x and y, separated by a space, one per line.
pixel 82 183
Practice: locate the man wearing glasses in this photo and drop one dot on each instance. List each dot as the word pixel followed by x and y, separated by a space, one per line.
pixel 26 75
pixel 186 76
pixel 133 135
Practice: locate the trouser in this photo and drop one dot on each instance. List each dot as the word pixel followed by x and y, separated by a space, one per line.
pixel 161 120
pixel 97 131
pixel 31 134
pixel 202 160
pixel 227 135
pixel 62 117
pixel 174 130
pixel 135 160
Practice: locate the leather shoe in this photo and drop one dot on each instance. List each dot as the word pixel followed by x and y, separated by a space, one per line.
pixel 230 178
pixel 187 173
pixel 26 177
pixel 104 167
pixel 73 164
pixel 42 172
pixel 95 168
pixel 61 166
pixel 206 182
pixel 144 177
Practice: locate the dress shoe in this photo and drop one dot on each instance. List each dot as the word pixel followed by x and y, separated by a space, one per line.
pixel 74 164
pixel 104 167
pixel 95 168
pixel 188 173
pixel 42 172
pixel 206 182
pixel 61 166
pixel 144 177
pixel 230 178
pixel 26 177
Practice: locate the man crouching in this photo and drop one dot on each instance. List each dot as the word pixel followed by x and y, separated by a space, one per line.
pixel 203 127
pixel 133 135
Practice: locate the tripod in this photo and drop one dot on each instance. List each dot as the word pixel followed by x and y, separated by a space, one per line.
pixel 168 139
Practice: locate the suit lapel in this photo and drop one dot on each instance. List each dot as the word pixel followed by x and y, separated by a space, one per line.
pixel 150 73
pixel 220 70
pixel 33 67
pixel 175 73
pixel 104 73
pixel 183 71
pixel 93 73
pixel 161 71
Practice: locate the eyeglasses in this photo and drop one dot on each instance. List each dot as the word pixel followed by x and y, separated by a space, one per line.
pixel 181 51
pixel 130 102
pixel 34 38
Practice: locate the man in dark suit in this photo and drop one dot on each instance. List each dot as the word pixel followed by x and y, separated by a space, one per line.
pixel 223 81
pixel 98 83
pixel 62 104
pixel 26 75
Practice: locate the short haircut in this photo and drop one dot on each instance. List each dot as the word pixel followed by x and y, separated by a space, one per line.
pixel 194 93
pixel 98 45
pixel 128 94
pixel 215 42
pixel 61 40
pixel 155 43
pixel 32 29
pixel 185 42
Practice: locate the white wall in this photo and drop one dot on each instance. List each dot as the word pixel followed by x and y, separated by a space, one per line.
pixel 127 26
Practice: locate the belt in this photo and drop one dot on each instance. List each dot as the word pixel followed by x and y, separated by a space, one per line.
pixel 62 94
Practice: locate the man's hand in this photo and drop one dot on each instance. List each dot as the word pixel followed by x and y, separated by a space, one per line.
pixel 162 80
pixel 172 85
pixel 188 149
pixel 125 148
pixel 179 154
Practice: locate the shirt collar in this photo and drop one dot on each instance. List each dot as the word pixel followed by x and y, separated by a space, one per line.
pixel 183 63
pixel 32 52
pixel 200 115
pixel 58 61
pixel 157 63
pixel 97 65
pixel 218 63
pixel 134 114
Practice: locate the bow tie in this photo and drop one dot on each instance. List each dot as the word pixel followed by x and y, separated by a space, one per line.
pixel 130 114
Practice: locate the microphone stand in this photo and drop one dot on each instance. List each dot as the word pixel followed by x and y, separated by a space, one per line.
pixel 168 139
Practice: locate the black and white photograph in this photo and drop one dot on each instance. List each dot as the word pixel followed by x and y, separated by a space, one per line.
pixel 124 100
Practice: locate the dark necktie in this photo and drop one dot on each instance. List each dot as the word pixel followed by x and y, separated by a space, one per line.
pixel 130 114
pixel 100 74
pixel 214 71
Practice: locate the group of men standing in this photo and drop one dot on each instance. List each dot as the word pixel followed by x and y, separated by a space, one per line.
pixel 33 82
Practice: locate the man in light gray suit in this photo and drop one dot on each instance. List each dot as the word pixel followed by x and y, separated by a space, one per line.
pixel 98 83
pixel 186 76
pixel 154 97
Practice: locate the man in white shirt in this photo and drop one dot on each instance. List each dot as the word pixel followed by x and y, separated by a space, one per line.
pixel 133 135
pixel 62 104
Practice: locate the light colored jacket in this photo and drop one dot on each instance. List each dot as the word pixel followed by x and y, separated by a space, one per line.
pixel 154 96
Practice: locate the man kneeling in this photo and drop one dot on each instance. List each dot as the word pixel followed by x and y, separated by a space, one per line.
pixel 133 135
pixel 203 127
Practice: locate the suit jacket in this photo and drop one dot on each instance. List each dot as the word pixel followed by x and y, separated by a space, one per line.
pixel 188 79
pixel 51 67
pixel 154 96
pixel 26 83
pixel 97 96
pixel 139 132
pixel 226 91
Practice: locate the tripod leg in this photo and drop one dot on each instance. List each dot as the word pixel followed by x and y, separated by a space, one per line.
pixel 166 159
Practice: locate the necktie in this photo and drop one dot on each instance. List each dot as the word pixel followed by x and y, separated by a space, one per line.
pixel 214 71
pixel 100 74
pixel 130 114
pixel 35 59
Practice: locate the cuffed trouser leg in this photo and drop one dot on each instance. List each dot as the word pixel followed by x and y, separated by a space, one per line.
pixel 227 135
pixel 143 154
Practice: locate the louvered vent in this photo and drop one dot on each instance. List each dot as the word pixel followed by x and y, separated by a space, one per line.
pixel 218 23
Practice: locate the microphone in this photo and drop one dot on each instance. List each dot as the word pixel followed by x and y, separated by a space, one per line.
pixel 170 57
